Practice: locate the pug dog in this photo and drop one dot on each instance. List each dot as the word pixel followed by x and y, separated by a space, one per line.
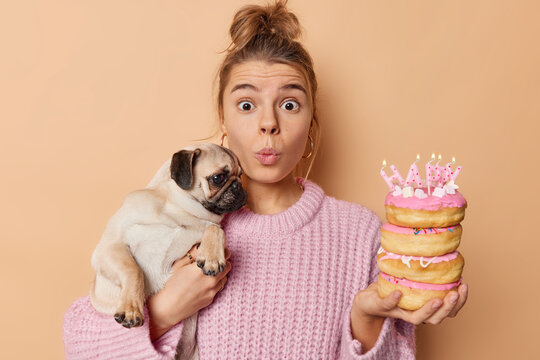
pixel 181 206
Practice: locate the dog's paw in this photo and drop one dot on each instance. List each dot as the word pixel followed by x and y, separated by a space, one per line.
pixel 129 315
pixel 211 266
pixel 211 252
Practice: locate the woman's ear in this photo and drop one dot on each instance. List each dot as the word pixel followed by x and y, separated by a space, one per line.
pixel 223 128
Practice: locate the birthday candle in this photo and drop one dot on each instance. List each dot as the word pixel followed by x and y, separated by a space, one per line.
pixel 434 177
pixel 413 176
pixel 447 173
pixel 387 178
pixel 435 174
pixel 397 175
pixel 439 171
pixel 456 173
pixel 429 168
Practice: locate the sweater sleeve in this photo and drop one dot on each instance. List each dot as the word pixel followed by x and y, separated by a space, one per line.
pixel 397 337
pixel 88 334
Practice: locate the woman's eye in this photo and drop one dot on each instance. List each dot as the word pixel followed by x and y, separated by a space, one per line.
pixel 290 105
pixel 245 105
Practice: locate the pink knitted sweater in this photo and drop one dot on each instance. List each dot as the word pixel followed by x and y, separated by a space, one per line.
pixel 288 295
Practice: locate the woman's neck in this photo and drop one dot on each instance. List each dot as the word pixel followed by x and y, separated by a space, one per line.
pixel 272 198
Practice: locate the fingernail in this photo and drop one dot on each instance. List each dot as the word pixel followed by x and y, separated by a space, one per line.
pixel 397 295
pixel 453 298
pixel 436 305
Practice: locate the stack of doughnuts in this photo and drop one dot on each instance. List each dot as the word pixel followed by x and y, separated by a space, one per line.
pixel 418 254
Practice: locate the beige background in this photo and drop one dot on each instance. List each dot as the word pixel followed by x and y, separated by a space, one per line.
pixel 95 95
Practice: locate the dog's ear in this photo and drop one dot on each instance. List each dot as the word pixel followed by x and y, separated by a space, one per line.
pixel 182 167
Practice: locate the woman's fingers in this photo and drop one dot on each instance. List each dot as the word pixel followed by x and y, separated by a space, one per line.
pixel 463 291
pixel 192 255
pixel 218 282
pixel 390 302
pixel 425 312
pixel 453 302
pixel 449 302
pixel 367 301
pixel 187 259
pixel 224 272
pixel 221 284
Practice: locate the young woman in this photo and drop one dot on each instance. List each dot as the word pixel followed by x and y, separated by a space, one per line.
pixel 302 269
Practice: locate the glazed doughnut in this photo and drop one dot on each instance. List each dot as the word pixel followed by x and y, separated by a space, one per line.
pixel 415 294
pixel 432 270
pixel 429 212
pixel 420 242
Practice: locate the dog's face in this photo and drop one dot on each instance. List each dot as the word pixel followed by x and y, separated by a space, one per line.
pixel 211 174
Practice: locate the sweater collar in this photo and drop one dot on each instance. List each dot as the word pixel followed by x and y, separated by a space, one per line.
pixel 287 221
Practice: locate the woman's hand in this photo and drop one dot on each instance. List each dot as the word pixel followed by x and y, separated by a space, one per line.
pixel 369 311
pixel 187 291
pixel 367 304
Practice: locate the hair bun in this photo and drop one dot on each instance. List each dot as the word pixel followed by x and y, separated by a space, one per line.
pixel 273 19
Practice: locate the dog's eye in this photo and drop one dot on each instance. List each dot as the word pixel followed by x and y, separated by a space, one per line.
pixel 218 179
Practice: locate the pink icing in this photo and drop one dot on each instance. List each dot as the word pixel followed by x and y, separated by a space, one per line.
pixel 419 285
pixel 431 203
pixel 425 259
pixel 411 231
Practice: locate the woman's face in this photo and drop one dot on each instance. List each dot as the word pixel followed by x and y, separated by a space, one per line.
pixel 266 106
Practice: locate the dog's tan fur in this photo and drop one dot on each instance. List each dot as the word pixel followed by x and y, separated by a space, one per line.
pixel 156 226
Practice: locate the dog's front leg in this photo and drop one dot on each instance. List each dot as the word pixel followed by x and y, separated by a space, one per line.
pixel 120 265
pixel 211 252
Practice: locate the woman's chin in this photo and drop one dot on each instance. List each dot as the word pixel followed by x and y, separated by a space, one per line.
pixel 268 175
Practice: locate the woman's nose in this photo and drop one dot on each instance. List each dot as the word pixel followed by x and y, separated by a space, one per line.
pixel 270 130
pixel 269 124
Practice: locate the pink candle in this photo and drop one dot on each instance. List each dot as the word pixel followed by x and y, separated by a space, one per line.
pixel 387 179
pixel 447 173
pixel 413 176
pixel 397 175
pixel 442 173
pixel 429 168
pixel 439 172
pixel 455 174
pixel 434 177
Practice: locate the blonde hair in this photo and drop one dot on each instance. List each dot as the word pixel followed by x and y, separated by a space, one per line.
pixel 269 33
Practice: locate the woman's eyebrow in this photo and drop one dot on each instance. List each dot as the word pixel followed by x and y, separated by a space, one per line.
pixel 294 86
pixel 244 86
pixel 253 87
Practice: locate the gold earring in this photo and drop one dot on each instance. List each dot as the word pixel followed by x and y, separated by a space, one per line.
pixel 312 146
pixel 223 137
